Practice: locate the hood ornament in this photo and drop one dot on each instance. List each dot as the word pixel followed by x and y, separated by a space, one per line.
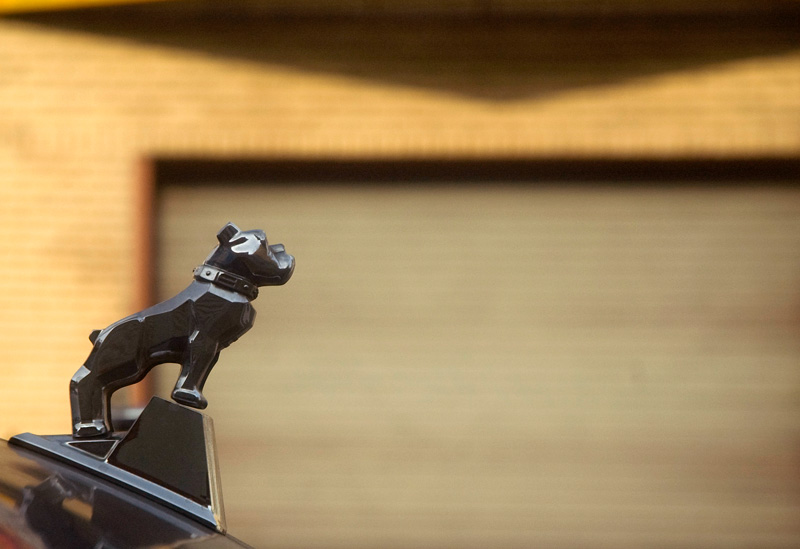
pixel 168 454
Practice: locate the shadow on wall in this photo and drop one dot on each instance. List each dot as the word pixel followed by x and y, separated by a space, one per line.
pixel 490 57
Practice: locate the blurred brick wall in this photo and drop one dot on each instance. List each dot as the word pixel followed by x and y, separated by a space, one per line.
pixel 84 99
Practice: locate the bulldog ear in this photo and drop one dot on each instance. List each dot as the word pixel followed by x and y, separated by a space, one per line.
pixel 226 233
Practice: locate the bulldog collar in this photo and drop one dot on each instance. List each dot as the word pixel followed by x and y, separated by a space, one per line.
pixel 227 280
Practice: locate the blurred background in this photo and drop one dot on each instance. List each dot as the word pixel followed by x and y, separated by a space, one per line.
pixel 548 255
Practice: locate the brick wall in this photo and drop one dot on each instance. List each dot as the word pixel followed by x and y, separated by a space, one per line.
pixel 84 98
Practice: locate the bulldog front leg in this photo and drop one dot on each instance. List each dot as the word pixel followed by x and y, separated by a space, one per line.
pixel 202 356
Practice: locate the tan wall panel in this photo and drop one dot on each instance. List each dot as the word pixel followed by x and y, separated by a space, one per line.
pixel 506 366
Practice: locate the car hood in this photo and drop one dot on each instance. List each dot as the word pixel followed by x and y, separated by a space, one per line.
pixel 46 504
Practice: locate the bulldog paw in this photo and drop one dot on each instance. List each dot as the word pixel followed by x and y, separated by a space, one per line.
pixel 191 398
pixel 89 429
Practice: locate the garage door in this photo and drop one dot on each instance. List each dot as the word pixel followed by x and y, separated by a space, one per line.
pixel 508 365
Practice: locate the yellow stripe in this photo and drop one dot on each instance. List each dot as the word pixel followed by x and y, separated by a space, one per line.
pixel 11 6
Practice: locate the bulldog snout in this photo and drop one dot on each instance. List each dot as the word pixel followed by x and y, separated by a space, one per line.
pixel 287 263
pixel 275 269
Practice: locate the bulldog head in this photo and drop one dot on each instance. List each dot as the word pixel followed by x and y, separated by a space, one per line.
pixel 249 255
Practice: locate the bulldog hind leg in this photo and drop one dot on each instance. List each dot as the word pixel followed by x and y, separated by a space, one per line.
pixel 89 403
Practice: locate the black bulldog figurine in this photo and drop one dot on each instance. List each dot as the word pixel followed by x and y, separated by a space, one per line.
pixel 190 329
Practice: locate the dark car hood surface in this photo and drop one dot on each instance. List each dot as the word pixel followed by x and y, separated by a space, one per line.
pixel 45 504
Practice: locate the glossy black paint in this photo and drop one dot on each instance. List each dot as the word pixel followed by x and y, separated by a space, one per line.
pixel 46 504
pixel 167 445
pixel 189 329
pixel 168 456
